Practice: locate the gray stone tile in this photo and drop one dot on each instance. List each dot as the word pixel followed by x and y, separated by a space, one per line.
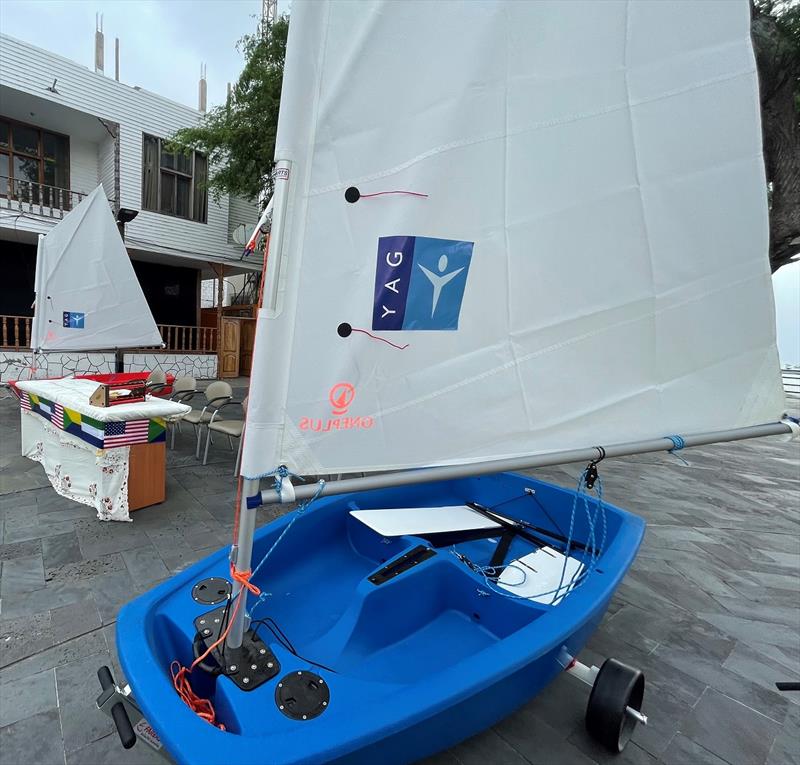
pixel 760 669
pixel 55 656
pixel 60 550
pixel 24 636
pixel 730 730
pixel 145 566
pixel 25 549
pixel 28 696
pixel 36 739
pixel 22 575
pixel 684 751
pixel 80 618
pixel 52 595
pixel 86 571
pixel 109 750
pixel 111 592
pixel 38 531
pixel 487 747
pixel 538 742
pixel 81 722
pixel 444 758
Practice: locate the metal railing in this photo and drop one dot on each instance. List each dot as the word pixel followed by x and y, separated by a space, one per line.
pixel 37 198
pixel 791 381
pixel 15 333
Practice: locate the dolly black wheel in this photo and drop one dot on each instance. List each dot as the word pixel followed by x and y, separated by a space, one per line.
pixel 615 704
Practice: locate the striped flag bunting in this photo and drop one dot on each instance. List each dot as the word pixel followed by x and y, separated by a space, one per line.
pixel 57 417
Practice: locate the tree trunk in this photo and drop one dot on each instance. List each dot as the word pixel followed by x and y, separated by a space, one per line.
pixel 778 70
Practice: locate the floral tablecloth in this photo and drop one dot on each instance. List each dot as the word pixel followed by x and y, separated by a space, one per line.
pixel 77 470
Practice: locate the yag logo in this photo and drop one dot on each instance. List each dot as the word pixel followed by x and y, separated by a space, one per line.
pixel 340 397
pixel 420 283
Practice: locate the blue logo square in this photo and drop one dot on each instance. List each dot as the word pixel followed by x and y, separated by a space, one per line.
pixel 420 283
pixel 73 320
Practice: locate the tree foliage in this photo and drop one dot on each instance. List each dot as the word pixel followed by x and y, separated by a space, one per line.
pixel 776 39
pixel 239 137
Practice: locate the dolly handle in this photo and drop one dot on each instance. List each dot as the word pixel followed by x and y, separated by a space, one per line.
pixel 118 712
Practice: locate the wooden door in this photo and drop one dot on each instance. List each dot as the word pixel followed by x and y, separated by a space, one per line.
pixel 229 352
pixel 248 330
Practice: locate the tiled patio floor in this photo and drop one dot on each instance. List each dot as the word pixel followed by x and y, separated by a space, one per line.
pixel 710 610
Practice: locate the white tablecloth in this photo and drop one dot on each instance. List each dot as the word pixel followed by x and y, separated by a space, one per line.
pixel 75 394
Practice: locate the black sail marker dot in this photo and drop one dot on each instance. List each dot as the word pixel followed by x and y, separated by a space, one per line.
pixel 352 195
pixel 344 329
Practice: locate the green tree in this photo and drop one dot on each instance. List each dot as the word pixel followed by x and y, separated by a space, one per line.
pixel 239 137
pixel 776 39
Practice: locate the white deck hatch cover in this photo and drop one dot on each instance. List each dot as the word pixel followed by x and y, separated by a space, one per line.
pixel 538 576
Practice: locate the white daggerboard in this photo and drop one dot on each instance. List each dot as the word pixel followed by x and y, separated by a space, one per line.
pixel 394 522
pixel 87 293
pixel 583 256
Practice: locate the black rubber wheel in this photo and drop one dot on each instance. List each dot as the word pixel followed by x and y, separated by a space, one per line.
pixel 616 686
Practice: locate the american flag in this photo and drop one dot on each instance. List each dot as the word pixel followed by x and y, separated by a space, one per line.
pixel 126 433
pixel 24 401
pixel 57 417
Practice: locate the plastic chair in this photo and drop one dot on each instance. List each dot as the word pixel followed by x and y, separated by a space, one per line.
pixel 229 428
pixel 156 381
pixel 216 394
pixel 184 389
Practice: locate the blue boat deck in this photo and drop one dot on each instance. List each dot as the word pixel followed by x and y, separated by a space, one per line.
pixel 710 610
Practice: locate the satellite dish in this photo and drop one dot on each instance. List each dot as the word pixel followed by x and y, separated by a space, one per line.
pixel 239 234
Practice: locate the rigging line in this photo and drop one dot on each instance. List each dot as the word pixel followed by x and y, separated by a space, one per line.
pixel 383 193
pixel 532 495
pixel 291 650
pixel 382 339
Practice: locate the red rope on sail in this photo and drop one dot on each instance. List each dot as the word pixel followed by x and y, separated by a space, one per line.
pixel 382 339
pixel 383 193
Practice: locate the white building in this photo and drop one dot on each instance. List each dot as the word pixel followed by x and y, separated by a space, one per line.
pixel 63 130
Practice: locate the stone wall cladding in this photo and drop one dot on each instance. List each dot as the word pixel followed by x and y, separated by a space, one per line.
pixel 21 365
pixel 25 365
pixel 201 366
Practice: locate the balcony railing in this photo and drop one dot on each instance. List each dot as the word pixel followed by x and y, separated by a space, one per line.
pixel 37 198
pixel 180 338
pixel 15 333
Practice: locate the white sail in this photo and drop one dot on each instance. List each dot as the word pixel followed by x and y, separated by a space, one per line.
pixel 589 261
pixel 87 294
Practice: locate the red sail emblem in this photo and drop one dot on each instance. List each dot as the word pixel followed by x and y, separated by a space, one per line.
pixel 341 396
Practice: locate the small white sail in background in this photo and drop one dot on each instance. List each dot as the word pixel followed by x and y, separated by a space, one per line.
pixel 582 258
pixel 87 293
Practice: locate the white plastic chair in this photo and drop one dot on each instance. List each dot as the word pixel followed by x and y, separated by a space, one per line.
pixel 229 428
pixel 184 390
pixel 216 394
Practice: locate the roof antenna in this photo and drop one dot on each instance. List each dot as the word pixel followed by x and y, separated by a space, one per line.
pixel 99 44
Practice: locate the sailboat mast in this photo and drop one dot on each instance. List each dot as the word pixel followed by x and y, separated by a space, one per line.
pixel 451 472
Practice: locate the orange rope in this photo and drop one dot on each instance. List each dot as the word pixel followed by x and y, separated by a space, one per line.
pixel 203 708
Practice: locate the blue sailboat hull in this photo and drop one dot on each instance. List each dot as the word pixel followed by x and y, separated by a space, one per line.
pixel 413 665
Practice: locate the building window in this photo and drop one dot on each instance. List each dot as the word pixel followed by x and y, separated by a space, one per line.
pixel 174 183
pixel 34 164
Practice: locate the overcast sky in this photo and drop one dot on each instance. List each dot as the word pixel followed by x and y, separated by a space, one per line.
pixel 163 43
